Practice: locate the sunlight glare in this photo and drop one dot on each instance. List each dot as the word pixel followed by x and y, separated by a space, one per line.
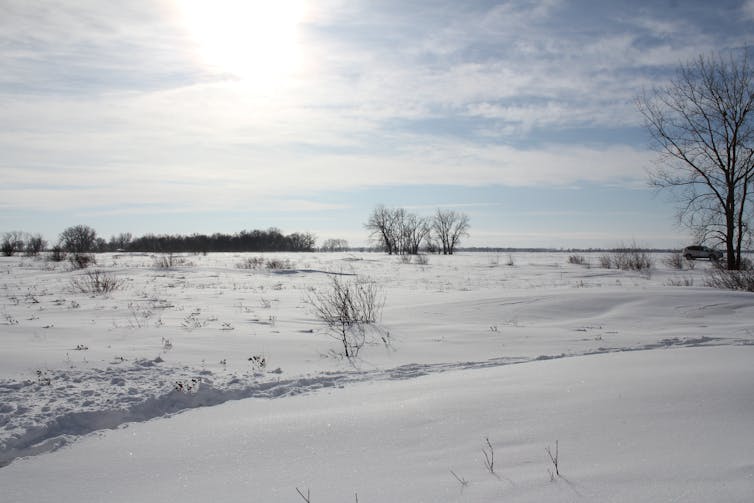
pixel 253 40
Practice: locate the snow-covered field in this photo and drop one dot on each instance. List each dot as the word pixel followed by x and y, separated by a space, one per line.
pixel 206 381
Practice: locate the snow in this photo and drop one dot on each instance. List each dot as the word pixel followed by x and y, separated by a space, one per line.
pixel 155 391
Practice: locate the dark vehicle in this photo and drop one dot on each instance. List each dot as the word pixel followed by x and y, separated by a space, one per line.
pixel 695 252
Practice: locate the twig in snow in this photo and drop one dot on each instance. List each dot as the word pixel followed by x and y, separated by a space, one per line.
pixel 489 456
pixel 307 497
pixel 460 480
pixel 555 458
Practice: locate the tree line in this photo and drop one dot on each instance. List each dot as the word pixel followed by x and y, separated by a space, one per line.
pixel 80 239
pixel 397 231
pixel 393 230
pixel 245 241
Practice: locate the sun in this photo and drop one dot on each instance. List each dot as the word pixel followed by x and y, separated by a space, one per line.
pixel 254 40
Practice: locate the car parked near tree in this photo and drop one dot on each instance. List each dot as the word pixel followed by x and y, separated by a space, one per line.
pixel 698 251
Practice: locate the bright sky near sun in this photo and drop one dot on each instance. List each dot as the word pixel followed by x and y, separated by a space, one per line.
pixel 183 116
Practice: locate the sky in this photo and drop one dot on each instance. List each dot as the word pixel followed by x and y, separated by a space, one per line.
pixel 169 116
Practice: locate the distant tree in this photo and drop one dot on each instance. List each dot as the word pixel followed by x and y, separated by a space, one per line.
pixel 449 227
pixel 35 244
pixel 384 226
pixel 57 254
pixel 12 242
pixel 100 245
pixel 301 242
pixel 120 242
pixel 78 239
pixel 702 124
pixel 414 230
pixel 397 231
pixel 334 245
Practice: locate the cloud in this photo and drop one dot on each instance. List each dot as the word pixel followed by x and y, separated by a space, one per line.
pixel 747 9
pixel 107 105
pixel 86 47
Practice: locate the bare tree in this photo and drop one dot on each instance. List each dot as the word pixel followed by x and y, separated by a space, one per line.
pixel 78 239
pixel 397 231
pixel 12 242
pixel 334 245
pixel 701 122
pixel 449 227
pixel 302 241
pixel 120 242
pixel 35 244
pixel 413 232
pixel 384 227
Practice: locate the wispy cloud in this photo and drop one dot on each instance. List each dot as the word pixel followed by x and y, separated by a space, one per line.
pixel 748 9
pixel 108 106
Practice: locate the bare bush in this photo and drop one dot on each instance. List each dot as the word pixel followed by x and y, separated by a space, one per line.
pixel 96 282
pixel 82 260
pixel 731 280
pixel 274 264
pixel 168 261
pixel 346 307
pixel 57 254
pixel 680 282
pixel 251 263
pixel 678 261
pixel 606 261
pixel 577 260
pixel 631 258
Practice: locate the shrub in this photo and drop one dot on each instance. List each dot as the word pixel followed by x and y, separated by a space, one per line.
pixel 251 263
pixel 96 282
pixel 167 261
pixel 678 261
pixel 81 260
pixel 578 260
pixel 632 259
pixel 680 282
pixel 731 280
pixel 606 261
pixel 628 259
pixel 346 307
pixel 278 264
pixel 57 254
